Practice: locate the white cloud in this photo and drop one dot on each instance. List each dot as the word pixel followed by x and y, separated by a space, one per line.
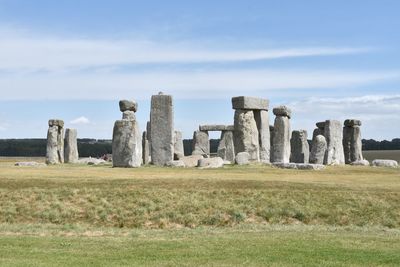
pixel 80 120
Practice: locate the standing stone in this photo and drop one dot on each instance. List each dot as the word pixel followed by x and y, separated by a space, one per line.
pixel 226 147
pixel 352 145
pixel 178 146
pixel 262 121
pixel 271 139
pixel 126 144
pixel 55 142
pixel 246 134
pixel 148 135
pixel 281 141
pixel 201 143
pixel 318 149
pixel 333 133
pixel 320 130
pixel 162 129
pixel 145 148
pixel 300 150
pixel 71 146
pixel 128 105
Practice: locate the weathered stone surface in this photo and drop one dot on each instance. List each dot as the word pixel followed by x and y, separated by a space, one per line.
pixel 334 154
pixel 71 154
pixel 162 129
pixel 352 122
pixel 176 164
pixel 271 140
pixel 127 144
pixel 385 163
pixel 363 162
pixel 281 141
pixel 178 146
pixel 55 142
pixel 91 161
pixel 317 131
pixel 320 125
pixel 243 158
pixel 56 122
pixel 191 161
pixel 282 111
pixel 128 115
pixel 145 149
pixel 216 127
pixel 300 150
pixel 352 145
pixel 318 149
pixel 226 147
pixel 201 144
pixel 128 105
pixel 262 120
pixel 246 134
pixel 249 103
pixel 206 163
pixel 29 164
pixel 299 166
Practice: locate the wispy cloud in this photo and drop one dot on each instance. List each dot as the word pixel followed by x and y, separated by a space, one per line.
pixel 80 120
pixel 34 52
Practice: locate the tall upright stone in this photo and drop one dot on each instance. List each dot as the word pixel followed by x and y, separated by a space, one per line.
pixel 246 107
pixel 71 154
pixel 320 130
pixel 145 148
pixel 201 143
pixel 178 146
pixel 271 139
pixel 246 134
pixel 282 134
pixel 318 149
pixel 352 145
pixel 226 147
pixel 55 142
pixel 333 133
pixel 162 129
pixel 300 150
pixel 127 139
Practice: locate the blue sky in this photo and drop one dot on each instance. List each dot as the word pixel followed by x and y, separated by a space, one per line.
pixel 75 59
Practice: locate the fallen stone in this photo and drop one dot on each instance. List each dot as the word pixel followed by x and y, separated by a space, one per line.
pixel 216 127
pixel 91 161
pixel 127 144
pixel 201 144
pixel 352 122
pixel 249 103
pixel 246 134
pixel 191 161
pixel 226 147
pixel 300 150
pixel 176 164
pixel 385 163
pixel 206 163
pixel 285 165
pixel 360 163
pixel 162 129
pixel 282 111
pixel 71 154
pixel 333 133
pixel 242 158
pixel 299 166
pixel 318 149
pixel 128 105
pixel 29 164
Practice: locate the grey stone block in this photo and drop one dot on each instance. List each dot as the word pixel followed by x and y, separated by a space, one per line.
pixel 249 103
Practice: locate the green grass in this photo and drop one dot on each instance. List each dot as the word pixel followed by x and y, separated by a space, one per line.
pixel 251 215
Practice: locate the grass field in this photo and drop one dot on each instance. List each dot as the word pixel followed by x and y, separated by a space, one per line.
pixel 382 154
pixel 251 215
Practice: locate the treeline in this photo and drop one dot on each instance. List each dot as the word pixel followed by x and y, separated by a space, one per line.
pixel 97 148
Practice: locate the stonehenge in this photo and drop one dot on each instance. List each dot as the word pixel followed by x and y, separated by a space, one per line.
pixel 178 146
pixel 55 142
pixel 282 134
pixel 201 143
pixel 333 133
pixel 251 127
pixel 162 129
pixel 300 150
pixel 127 138
pixel 318 149
pixel 71 146
pixel 352 141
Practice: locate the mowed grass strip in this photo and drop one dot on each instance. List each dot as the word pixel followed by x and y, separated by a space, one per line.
pixel 276 246
pixel 153 197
